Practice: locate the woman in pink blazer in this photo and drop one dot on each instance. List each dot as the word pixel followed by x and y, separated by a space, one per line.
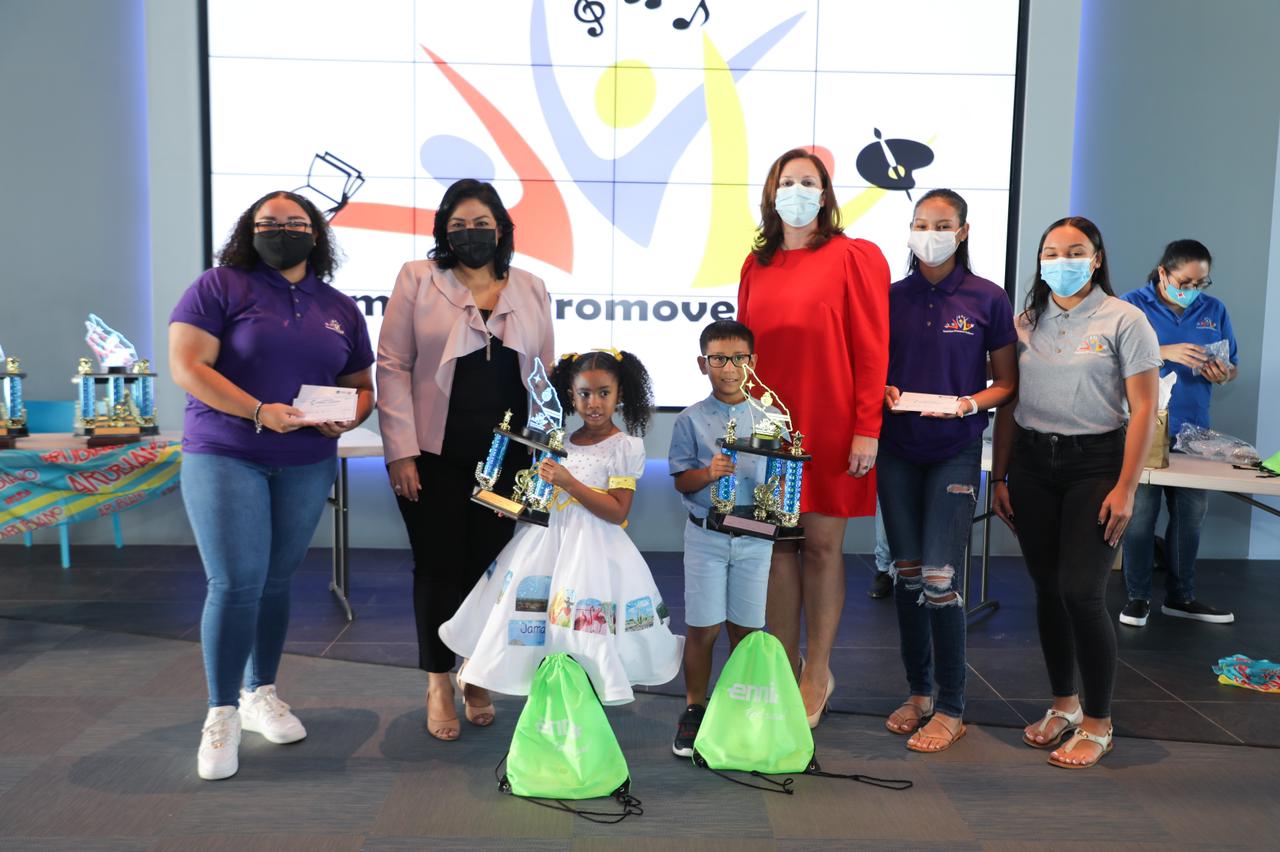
pixel 460 334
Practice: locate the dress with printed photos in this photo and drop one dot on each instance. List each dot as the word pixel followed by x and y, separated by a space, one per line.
pixel 577 586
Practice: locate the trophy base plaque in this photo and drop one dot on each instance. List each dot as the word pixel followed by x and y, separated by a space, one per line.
pixel 742 521
pixel 510 508
pixel 9 436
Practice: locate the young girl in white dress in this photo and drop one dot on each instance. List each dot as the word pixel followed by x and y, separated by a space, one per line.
pixel 578 585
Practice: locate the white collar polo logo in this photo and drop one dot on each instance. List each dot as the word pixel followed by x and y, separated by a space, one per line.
pixel 960 325
pixel 334 325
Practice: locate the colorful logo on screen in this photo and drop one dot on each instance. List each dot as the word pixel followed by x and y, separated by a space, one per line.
pixel 625 96
pixel 960 325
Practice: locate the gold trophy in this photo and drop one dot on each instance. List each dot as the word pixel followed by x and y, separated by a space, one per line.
pixel 13 413
pixel 544 434
pixel 128 410
pixel 775 513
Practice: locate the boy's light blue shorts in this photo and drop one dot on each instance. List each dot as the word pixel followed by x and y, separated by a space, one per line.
pixel 726 577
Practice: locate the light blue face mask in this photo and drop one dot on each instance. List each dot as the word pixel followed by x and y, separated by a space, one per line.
pixel 1066 276
pixel 798 205
pixel 1181 298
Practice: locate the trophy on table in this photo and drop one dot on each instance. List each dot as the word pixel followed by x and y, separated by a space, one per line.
pixel 544 434
pixel 13 413
pixel 775 512
pixel 128 407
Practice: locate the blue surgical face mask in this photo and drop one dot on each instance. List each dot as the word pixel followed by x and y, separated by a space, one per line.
pixel 798 205
pixel 1181 298
pixel 1066 276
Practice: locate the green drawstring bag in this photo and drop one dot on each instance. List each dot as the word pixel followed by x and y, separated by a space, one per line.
pixel 563 747
pixel 756 722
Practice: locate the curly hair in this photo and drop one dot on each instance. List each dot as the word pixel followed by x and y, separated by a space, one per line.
pixel 635 389
pixel 238 250
pixel 483 192
pixel 769 236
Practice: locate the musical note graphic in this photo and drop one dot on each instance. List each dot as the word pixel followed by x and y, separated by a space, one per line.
pixel 891 163
pixel 648 4
pixel 591 12
pixel 685 23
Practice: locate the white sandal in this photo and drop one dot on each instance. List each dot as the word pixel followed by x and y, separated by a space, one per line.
pixel 1073 721
pixel 1103 741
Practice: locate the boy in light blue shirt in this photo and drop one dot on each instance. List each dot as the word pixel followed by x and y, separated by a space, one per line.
pixel 725 577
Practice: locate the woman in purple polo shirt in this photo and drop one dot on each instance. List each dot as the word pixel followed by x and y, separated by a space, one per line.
pixel 243 339
pixel 944 323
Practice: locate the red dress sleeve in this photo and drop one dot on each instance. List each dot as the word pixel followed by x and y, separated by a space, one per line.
pixel 744 285
pixel 867 300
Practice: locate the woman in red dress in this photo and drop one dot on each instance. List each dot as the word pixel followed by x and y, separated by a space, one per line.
pixel 818 303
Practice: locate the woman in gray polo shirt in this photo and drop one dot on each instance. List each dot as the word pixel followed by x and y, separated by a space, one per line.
pixel 1066 469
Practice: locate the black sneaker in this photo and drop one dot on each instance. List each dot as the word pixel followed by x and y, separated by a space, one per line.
pixel 687 730
pixel 1197 612
pixel 1135 613
pixel 881 586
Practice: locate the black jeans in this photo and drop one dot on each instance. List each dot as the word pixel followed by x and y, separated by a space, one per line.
pixel 453 541
pixel 1056 486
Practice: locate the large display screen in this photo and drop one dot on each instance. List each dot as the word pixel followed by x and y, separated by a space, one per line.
pixel 628 138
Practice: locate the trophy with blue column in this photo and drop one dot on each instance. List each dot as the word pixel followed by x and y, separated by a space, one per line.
pixel 774 513
pixel 126 409
pixel 544 435
pixel 13 412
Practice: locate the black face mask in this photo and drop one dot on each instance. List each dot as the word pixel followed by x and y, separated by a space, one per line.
pixel 474 247
pixel 282 249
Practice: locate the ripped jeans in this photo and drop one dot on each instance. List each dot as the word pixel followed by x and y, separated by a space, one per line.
pixel 928 513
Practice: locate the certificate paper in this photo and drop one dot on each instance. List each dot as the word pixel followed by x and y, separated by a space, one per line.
pixel 931 403
pixel 326 405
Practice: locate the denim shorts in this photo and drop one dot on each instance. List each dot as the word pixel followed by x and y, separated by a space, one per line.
pixel 726 577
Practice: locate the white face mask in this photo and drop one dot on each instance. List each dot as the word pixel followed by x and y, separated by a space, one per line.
pixel 798 205
pixel 933 248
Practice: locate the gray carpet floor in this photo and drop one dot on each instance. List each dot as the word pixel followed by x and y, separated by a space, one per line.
pixel 98 732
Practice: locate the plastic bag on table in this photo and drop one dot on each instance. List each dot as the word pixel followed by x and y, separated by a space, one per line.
pixel 1218 446
pixel 1219 350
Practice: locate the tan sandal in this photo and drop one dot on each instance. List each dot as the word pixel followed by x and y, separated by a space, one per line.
pixel 1073 721
pixel 445 728
pixel 1081 734
pixel 952 736
pixel 921 716
pixel 480 715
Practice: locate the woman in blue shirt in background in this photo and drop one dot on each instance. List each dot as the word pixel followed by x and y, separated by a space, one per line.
pixel 1186 320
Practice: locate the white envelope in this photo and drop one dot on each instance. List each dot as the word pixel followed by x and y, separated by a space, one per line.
pixel 325 404
pixel 931 403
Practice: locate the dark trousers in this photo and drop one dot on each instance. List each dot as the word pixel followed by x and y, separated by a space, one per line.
pixel 1057 484
pixel 453 542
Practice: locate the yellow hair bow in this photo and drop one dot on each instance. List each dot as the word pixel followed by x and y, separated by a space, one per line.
pixel 614 352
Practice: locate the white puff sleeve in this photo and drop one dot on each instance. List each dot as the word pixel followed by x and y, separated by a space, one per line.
pixel 627 464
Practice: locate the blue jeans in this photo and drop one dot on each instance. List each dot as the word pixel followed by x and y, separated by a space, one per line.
pixel 1187 508
pixel 252 525
pixel 928 513
pixel 884 562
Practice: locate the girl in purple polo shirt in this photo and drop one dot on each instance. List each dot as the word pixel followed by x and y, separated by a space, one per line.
pixel 243 340
pixel 944 322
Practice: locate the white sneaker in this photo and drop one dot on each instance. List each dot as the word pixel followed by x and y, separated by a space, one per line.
pixel 219 755
pixel 262 712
